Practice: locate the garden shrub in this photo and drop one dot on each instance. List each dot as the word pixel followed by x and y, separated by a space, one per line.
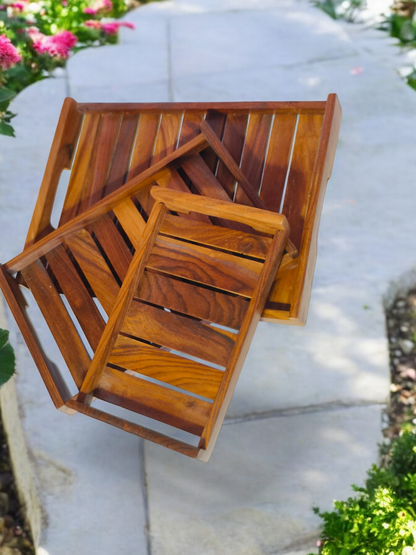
pixel 381 518
pixel 38 36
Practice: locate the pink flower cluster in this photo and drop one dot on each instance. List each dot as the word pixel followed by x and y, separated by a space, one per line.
pixel 109 28
pixel 99 6
pixel 57 46
pixel 20 6
pixel 9 56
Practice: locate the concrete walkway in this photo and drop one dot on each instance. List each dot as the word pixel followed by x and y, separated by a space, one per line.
pixel 306 415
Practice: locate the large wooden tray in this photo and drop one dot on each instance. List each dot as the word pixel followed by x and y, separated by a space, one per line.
pixel 285 150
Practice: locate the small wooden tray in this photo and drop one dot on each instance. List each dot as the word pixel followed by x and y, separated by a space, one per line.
pixel 182 306
pixel 283 150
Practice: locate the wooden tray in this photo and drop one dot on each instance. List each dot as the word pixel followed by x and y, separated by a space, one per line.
pixel 285 151
pixel 182 305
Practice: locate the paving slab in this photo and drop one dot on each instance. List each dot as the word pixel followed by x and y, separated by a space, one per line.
pixel 305 418
pixel 88 478
pixel 256 494
pixel 236 41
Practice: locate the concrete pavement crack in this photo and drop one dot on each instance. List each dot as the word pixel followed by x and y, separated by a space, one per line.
pixel 143 476
pixel 294 411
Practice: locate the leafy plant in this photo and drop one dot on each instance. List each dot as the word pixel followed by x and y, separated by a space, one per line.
pixel 38 36
pixel 400 27
pixel 381 518
pixel 337 9
pixel 7 358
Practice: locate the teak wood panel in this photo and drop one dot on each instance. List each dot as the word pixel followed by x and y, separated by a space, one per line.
pixel 166 405
pixel 179 333
pixel 193 300
pixel 166 367
pixel 202 265
pixel 258 137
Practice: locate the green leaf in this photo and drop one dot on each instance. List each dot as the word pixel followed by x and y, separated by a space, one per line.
pixel 7 358
pixel 6 129
pixel 4 337
pixel 6 94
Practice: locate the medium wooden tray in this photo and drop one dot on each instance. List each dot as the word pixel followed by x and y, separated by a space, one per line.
pixel 182 305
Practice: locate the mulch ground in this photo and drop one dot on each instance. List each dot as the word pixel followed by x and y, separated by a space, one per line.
pixel 401 332
pixel 15 536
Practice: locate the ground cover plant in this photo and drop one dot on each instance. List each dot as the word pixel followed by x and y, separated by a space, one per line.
pixel 38 36
pixel 380 518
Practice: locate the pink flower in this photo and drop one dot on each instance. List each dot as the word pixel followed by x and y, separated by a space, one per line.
pixel 64 3
pixel 57 46
pixel 127 24
pixel 112 28
pixel 89 11
pixel 9 56
pixel 93 23
pixel 20 6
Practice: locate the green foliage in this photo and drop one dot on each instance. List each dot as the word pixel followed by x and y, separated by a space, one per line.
pixel 7 358
pixel 337 9
pixel 26 23
pixel 381 518
pixel 402 28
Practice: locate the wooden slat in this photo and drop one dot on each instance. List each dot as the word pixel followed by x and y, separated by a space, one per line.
pixel 49 372
pixel 220 107
pixel 122 153
pixel 178 332
pixel 190 125
pixel 144 144
pixel 190 299
pixel 254 153
pixel 60 158
pixel 233 141
pixel 322 172
pixel 265 221
pixel 277 161
pixel 128 190
pixel 122 302
pixel 130 427
pixel 113 244
pixel 215 236
pixel 143 148
pixel 58 320
pixel 96 175
pixel 77 295
pixel 172 180
pixel 95 268
pixel 167 138
pixel 228 160
pixel 154 401
pixel 80 167
pixel 131 220
pixel 216 120
pixel 203 178
pixel 300 176
pixel 202 265
pixel 243 342
pixel 166 367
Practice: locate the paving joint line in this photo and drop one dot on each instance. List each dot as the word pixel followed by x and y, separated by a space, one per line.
pixel 145 493
pixel 309 409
